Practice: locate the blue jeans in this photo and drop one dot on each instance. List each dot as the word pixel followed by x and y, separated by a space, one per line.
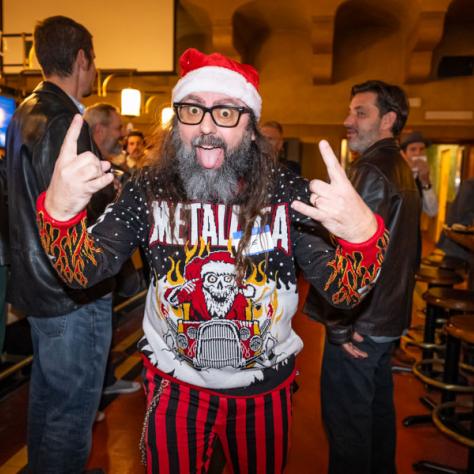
pixel 358 409
pixel 69 357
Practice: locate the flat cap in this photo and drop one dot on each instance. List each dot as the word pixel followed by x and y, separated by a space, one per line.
pixel 414 137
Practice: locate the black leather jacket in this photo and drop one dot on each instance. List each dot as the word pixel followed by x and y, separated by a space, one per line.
pixel 386 184
pixel 4 247
pixel 34 138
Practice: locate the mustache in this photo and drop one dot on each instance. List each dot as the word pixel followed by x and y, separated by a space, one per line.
pixel 209 140
pixel 216 185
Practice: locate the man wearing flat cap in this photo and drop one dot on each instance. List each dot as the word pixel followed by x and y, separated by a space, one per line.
pixel 222 228
pixel 413 148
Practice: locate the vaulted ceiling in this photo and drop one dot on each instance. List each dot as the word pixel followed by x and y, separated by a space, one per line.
pixel 332 27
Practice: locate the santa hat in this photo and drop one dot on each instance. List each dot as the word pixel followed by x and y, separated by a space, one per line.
pixel 217 73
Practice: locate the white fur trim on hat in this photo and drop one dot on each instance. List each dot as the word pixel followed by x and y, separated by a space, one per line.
pixel 218 79
pixel 218 267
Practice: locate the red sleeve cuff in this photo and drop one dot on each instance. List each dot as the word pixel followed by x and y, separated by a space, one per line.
pixel 368 244
pixel 58 224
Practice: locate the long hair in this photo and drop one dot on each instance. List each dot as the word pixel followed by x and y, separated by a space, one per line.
pixel 164 181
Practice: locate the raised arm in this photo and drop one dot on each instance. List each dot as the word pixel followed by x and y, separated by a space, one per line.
pixel 343 272
pixel 83 256
pixel 337 205
pixel 75 178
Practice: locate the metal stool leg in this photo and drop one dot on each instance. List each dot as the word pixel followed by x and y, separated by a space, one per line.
pixel 432 314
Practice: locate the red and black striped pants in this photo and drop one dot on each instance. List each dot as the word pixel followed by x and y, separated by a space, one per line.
pixel 183 421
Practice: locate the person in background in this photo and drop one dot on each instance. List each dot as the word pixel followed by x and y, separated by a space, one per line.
pixel 461 212
pixel 71 329
pixel 107 132
pixel 356 376
pixel 221 226
pixel 273 132
pixel 134 149
pixel 413 148
pixel 107 128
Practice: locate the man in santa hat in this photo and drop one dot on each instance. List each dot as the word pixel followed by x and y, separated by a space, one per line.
pixel 218 223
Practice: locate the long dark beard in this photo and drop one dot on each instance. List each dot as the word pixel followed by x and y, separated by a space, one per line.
pixel 213 185
pixel 163 181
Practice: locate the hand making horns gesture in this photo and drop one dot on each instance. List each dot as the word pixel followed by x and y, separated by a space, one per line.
pixel 336 204
pixel 75 178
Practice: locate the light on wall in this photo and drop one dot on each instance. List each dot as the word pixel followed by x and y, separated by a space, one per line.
pixel 167 114
pixel 131 102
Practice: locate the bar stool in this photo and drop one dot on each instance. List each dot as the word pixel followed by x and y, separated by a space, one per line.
pixel 447 262
pixel 440 302
pixel 459 329
pixel 438 276
pixel 434 277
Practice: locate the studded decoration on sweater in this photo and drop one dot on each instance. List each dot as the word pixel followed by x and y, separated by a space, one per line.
pixel 201 325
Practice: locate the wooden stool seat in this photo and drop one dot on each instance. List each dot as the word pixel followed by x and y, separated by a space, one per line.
pixel 437 276
pixel 445 262
pixel 451 298
pixel 461 327
pixel 433 259
pixel 453 263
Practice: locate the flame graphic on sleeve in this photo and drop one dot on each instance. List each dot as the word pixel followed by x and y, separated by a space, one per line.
pixel 355 271
pixel 71 249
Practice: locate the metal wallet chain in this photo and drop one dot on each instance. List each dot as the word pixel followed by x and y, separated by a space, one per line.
pixel 154 401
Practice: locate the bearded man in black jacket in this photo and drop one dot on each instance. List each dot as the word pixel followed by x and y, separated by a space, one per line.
pixel 71 329
pixel 356 379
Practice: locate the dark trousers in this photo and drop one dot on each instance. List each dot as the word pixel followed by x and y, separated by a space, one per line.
pixel 358 409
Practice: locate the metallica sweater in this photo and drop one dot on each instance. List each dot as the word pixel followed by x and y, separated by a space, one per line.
pixel 201 326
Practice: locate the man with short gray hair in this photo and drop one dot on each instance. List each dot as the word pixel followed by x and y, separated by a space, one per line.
pixel 107 129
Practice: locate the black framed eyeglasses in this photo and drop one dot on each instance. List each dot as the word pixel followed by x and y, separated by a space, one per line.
pixel 222 115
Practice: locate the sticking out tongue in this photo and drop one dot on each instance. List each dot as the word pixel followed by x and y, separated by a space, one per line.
pixel 210 158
